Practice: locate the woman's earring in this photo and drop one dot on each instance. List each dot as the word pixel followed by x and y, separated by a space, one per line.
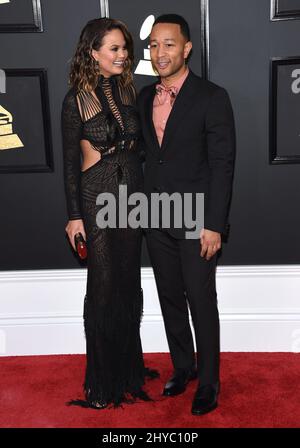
pixel 97 66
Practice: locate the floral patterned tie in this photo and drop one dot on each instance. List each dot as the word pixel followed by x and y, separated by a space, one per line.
pixel 163 93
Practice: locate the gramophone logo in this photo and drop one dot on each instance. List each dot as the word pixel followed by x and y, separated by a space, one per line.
pixel 144 66
pixel 8 140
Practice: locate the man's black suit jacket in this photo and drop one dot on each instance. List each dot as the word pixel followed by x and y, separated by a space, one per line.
pixel 198 148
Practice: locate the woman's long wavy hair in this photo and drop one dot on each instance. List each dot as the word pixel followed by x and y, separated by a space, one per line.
pixel 84 73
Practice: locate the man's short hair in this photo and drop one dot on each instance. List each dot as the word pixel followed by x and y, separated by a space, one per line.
pixel 178 20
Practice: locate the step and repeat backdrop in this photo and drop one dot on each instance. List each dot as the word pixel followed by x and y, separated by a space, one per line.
pixel 250 48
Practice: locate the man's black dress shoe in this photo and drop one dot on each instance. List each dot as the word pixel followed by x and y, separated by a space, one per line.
pixel 178 382
pixel 205 399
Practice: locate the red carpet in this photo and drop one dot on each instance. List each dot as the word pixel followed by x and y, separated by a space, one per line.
pixel 258 390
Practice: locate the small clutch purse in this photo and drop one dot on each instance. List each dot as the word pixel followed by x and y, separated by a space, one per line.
pixel 80 245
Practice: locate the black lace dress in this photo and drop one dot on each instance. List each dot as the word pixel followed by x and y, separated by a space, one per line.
pixel 113 304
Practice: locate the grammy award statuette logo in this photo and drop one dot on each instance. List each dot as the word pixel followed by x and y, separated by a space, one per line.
pixel 144 66
pixel 8 140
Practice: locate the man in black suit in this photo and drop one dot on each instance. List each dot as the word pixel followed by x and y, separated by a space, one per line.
pixel 189 141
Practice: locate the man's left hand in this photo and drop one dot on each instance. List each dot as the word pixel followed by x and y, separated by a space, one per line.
pixel 210 243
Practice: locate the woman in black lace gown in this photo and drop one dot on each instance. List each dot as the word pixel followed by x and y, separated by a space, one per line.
pixel 100 126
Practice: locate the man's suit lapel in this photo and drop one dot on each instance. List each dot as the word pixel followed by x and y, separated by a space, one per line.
pixel 181 106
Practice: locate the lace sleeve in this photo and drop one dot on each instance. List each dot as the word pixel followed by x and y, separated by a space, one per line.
pixel 71 125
